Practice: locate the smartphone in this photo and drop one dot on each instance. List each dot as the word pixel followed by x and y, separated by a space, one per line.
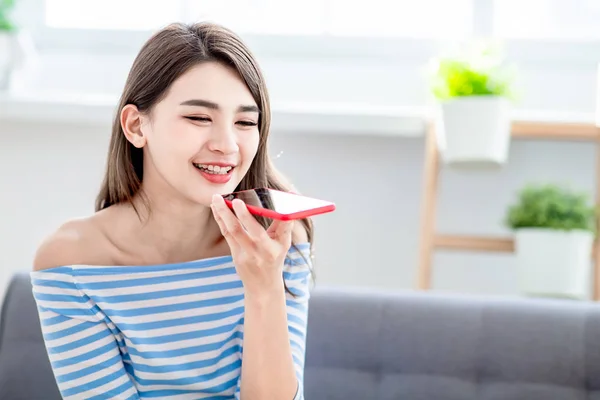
pixel 280 205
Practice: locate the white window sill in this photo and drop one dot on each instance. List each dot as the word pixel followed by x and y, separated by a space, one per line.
pixel 98 110
pixel 298 118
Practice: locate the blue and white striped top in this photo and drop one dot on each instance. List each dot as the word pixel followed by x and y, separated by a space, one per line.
pixel 172 331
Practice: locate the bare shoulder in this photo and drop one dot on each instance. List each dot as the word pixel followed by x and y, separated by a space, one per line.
pixel 74 242
pixel 299 234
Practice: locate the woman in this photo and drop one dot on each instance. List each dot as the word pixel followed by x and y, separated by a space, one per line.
pixel 158 293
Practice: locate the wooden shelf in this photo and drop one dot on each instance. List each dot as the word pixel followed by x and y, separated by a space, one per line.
pixel 474 243
pixel 478 243
pixel 555 131
pixel 520 129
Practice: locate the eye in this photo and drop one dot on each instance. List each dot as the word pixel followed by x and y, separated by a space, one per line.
pixel 198 119
pixel 247 123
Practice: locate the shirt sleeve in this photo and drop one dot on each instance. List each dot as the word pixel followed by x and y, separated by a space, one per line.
pixel 297 277
pixel 83 351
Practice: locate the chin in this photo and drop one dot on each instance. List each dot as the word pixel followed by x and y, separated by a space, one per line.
pixel 204 195
pixel 206 185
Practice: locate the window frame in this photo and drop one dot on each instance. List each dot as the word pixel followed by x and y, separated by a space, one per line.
pixel 571 52
pixel 304 46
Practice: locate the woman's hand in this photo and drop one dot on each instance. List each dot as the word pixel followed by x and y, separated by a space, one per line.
pixel 258 254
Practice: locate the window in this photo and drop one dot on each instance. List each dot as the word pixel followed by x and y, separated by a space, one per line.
pixel 270 17
pixel 547 19
pixel 325 28
pixel 405 18
pixel 423 18
pixel 109 14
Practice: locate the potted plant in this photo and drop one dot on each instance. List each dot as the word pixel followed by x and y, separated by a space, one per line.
pixel 8 39
pixel 474 89
pixel 554 235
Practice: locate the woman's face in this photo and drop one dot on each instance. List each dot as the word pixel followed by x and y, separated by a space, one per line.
pixel 202 137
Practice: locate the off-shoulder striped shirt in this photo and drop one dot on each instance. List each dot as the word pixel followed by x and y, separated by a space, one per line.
pixel 171 331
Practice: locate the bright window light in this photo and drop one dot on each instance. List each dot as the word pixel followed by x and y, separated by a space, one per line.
pixel 404 18
pixel 111 14
pixel 281 17
pixel 547 19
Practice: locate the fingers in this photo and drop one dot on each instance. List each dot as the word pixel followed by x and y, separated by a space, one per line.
pixel 231 228
pixel 242 229
pixel 254 229
pixel 281 231
pixel 223 227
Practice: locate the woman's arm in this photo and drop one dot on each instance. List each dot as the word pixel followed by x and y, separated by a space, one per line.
pixel 259 255
pixel 82 349
pixel 267 368
pixel 274 338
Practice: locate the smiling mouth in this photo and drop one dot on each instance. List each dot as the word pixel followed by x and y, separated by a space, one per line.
pixel 214 169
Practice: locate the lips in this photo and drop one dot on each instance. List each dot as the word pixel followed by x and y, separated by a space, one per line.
pixel 215 173
pixel 214 168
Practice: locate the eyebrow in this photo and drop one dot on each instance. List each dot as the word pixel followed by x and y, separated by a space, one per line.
pixel 215 106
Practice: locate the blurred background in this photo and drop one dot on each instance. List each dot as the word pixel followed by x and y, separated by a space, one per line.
pixel 351 94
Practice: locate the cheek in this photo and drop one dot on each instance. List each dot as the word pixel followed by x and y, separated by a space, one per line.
pixel 167 145
pixel 249 146
pixel 174 138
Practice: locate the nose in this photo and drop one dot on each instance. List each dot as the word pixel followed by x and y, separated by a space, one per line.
pixel 223 140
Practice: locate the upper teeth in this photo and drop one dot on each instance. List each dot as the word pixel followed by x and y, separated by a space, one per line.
pixel 214 168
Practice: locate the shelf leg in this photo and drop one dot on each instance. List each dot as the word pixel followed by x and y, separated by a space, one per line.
pixel 596 258
pixel 428 208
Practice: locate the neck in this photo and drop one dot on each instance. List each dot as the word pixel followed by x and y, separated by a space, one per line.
pixel 172 229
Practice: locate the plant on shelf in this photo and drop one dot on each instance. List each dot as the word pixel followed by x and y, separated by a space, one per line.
pixel 477 71
pixel 8 42
pixel 554 230
pixel 552 207
pixel 6 23
pixel 475 89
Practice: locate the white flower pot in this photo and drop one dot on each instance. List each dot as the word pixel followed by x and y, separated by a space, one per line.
pixel 554 263
pixel 6 58
pixel 475 130
pixel 18 59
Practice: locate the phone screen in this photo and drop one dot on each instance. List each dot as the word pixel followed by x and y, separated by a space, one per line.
pixel 278 201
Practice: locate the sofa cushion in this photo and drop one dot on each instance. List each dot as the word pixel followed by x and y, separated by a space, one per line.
pixel 426 346
pixel 25 372
pixel 378 346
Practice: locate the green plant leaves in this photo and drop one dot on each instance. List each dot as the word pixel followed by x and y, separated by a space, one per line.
pixel 477 71
pixel 6 23
pixel 553 207
pixel 6 5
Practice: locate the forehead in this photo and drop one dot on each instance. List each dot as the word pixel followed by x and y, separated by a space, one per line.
pixel 211 81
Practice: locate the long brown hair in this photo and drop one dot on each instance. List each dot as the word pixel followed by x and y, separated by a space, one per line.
pixel 167 55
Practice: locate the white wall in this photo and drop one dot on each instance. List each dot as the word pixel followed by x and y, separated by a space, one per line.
pixel 50 172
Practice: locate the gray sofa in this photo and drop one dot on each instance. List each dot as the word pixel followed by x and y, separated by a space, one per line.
pixel 408 346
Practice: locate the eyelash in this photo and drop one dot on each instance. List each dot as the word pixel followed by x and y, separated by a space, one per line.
pixel 203 119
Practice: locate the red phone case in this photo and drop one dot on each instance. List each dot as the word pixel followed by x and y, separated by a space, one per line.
pixel 263 212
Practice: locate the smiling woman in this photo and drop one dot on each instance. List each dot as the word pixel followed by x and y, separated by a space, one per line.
pixel 220 172
pixel 224 125
pixel 158 293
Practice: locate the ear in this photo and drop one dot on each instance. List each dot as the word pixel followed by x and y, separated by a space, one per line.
pixel 131 122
